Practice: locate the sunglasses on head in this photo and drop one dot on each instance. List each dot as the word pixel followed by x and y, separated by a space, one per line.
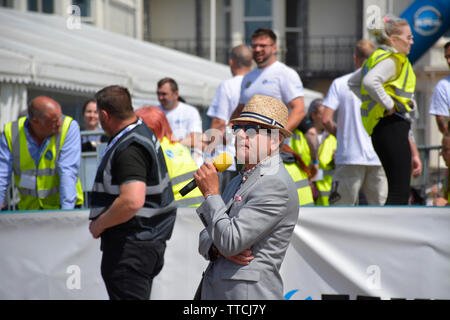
pixel 249 129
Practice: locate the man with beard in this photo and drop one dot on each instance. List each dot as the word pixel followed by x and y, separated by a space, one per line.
pixel 272 78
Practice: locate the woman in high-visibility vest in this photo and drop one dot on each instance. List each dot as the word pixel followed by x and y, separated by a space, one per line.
pixel 386 85
pixel 179 162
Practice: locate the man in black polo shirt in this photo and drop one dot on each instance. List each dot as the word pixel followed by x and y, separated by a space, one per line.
pixel 132 205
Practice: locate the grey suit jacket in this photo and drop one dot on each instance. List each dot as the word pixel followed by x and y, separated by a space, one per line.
pixel 261 216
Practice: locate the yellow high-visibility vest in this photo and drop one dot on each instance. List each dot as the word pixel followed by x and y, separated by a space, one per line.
pixel 300 145
pixel 44 194
pixel 181 168
pixel 326 163
pixel 400 89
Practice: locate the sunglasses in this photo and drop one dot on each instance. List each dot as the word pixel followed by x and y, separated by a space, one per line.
pixel 249 129
pixel 262 46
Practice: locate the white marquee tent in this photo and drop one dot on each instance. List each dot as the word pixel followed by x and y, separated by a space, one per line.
pixel 41 51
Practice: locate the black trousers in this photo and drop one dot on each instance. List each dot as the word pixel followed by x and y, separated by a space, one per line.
pixel 390 139
pixel 129 266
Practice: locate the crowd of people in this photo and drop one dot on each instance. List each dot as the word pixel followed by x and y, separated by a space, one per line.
pixel 359 157
pixel 284 157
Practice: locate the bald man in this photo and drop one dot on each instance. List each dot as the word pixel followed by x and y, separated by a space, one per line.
pixel 225 101
pixel 227 95
pixel 43 150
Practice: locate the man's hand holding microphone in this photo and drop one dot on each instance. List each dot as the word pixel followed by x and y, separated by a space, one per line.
pixel 207 180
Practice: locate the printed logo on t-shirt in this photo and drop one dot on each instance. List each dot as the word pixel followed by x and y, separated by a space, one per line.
pixel 265 81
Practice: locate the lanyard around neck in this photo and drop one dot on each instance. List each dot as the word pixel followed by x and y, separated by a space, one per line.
pixel 120 135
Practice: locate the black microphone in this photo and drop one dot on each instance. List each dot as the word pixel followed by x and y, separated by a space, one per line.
pixel 221 162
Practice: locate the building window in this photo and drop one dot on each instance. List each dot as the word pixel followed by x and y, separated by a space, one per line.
pixel 147 21
pixel 295 37
pixel 32 5
pixel 257 14
pixel 45 6
pixel 85 10
pixel 225 51
pixel 6 3
pixel 85 7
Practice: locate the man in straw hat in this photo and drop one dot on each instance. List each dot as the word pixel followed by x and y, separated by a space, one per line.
pixel 248 229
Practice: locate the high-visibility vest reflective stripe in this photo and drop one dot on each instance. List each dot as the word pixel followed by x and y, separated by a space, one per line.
pixel 158 193
pixel 115 189
pixel 400 89
pixel 326 163
pixel 144 212
pixel 181 168
pixel 45 178
pixel 299 144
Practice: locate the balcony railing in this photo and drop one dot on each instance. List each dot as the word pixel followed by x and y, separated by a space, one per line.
pixel 324 56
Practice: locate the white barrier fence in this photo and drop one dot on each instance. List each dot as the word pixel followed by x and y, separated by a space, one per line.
pixel 387 252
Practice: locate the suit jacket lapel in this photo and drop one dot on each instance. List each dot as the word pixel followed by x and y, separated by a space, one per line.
pixel 249 182
pixel 243 188
pixel 240 189
pixel 267 167
pixel 228 198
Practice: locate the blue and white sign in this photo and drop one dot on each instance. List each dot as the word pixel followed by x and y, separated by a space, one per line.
pixel 427 20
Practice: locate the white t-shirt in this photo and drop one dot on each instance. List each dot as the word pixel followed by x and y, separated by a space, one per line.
pixel 225 101
pixel 440 100
pixel 226 98
pixel 183 120
pixel 277 80
pixel 354 145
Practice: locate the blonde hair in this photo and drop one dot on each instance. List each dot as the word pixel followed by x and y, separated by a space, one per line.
pixel 390 25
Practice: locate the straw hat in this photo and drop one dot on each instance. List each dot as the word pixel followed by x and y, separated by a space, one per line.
pixel 267 111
